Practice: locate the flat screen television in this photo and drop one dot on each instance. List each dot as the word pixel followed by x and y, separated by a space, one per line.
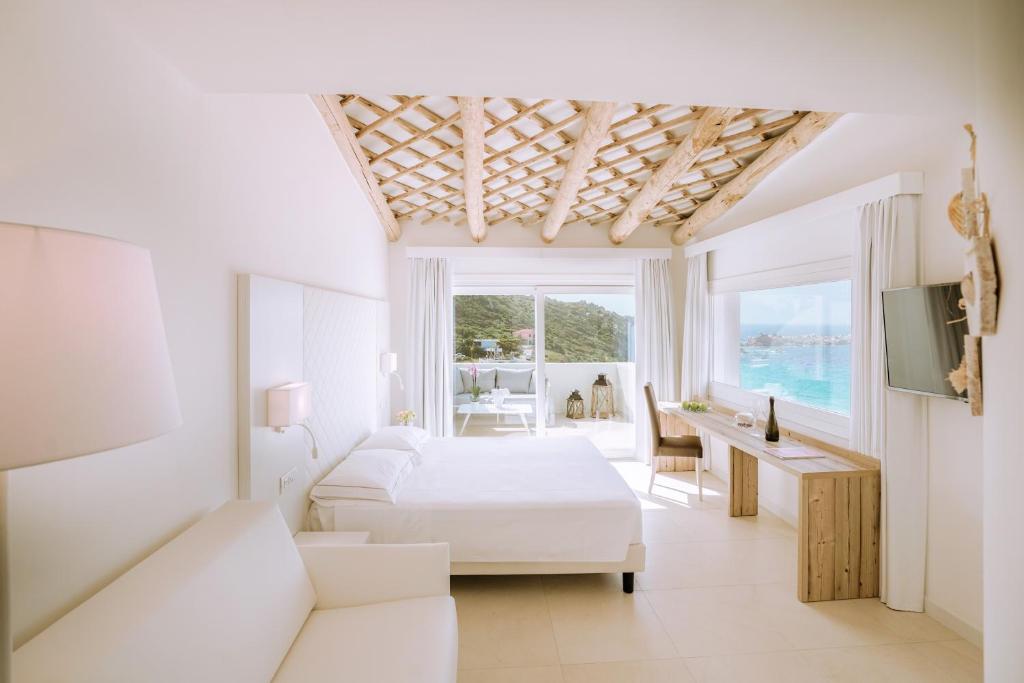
pixel 922 341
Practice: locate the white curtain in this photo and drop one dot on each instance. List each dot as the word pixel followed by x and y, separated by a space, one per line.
pixel 655 342
pixel 430 344
pixel 886 425
pixel 696 330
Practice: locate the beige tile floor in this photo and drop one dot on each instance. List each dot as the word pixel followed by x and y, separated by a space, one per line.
pixel 716 603
pixel 615 438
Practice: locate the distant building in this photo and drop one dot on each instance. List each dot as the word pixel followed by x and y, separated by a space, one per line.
pixel 525 334
pixel 490 347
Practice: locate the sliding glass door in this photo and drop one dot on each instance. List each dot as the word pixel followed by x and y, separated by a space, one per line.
pixel 495 380
pixel 587 361
pixel 546 361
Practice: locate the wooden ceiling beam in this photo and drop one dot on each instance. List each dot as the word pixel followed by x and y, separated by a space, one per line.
pixel 505 152
pixel 703 136
pixel 440 125
pixel 529 180
pixel 645 167
pixel 472 109
pixel 786 145
pixel 595 129
pixel 337 122
pixel 388 116
pixel 531 175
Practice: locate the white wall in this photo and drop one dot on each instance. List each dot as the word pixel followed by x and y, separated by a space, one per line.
pixel 831 55
pixel 1000 150
pixel 857 149
pixel 99 135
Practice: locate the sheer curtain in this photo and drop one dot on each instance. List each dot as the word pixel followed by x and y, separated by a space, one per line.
pixel 886 425
pixel 696 330
pixel 655 341
pixel 430 344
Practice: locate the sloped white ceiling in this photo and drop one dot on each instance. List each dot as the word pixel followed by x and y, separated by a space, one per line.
pixel 896 56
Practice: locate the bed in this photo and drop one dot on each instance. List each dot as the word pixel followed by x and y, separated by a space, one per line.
pixel 507 506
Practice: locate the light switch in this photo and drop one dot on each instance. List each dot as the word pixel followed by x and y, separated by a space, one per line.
pixel 287 479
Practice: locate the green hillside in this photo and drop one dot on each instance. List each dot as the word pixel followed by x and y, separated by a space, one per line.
pixel 576 331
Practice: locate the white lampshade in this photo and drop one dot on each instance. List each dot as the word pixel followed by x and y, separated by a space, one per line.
pixel 83 358
pixel 388 362
pixel 289 404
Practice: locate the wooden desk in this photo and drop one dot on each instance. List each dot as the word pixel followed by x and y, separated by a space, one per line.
pixel 839 504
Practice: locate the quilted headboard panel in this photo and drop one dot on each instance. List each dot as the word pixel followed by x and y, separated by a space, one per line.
pixel 289 332
pixel 340 359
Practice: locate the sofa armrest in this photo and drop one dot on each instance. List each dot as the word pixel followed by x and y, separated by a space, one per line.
pixel 350 575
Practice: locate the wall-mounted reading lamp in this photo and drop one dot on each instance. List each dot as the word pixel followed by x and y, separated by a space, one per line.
pixel 389 367
pixel 289 405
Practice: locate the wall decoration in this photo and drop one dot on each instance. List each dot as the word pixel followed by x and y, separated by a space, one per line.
pixel 969 214
pixel 972 356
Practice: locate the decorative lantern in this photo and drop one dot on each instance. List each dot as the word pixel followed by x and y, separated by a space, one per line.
pixel 574 406
pixel 602 398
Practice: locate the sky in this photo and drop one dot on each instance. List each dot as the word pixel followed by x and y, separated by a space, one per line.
pixel 827 303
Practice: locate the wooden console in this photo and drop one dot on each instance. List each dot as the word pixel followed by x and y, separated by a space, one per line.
pixel 839 503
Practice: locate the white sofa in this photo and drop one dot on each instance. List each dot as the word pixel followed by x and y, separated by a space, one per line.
pixel 507 376
pixel 233 600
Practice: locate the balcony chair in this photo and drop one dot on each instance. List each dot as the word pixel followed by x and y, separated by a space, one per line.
pixel 684 446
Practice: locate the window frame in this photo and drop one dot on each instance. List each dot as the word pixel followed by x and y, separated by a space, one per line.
pixel 539 292
pixel 816 422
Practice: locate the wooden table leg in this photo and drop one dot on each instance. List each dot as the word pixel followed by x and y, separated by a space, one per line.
pixel 742 484
pixel 838 538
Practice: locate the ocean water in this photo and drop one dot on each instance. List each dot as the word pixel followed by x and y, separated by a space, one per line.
pixel 816 375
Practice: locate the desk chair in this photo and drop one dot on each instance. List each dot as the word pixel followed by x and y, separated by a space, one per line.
pixel 685 446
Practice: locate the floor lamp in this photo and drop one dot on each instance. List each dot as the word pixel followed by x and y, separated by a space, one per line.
pixel 84 366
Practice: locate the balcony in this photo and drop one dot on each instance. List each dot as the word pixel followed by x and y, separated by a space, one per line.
pixel 614 436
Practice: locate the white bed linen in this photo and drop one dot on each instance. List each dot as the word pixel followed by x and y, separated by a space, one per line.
pixel 503 500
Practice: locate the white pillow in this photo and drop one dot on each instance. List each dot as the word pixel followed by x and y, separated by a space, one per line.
pixel 484 380
pixel 516 381
pixel 365 475
pixel 396 438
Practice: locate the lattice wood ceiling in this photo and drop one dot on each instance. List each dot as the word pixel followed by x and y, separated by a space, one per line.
pixel 414 146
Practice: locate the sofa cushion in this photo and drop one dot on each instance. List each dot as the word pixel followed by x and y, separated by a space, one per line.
pixel 221 602
pixel 516 381
pixel 485 379
pixel 405 641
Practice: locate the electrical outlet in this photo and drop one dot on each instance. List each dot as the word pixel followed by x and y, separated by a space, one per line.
pixel 287 479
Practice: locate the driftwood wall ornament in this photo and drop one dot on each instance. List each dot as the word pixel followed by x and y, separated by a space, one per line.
pixel 972 356
pixel 978 287
pixel 968 212
pixel 958 376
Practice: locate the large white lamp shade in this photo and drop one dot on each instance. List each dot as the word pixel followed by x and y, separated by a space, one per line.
pixel 83 358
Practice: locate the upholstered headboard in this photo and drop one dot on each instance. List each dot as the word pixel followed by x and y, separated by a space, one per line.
pixel 290 332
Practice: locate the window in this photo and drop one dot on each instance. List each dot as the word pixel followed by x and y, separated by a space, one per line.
pixel 790 342
pixel 588 328
pixel 587 340
pixel 495 328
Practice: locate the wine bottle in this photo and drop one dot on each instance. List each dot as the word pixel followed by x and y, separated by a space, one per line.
pixel 771 427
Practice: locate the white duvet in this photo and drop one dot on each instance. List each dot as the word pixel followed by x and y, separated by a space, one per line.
pixel 503 500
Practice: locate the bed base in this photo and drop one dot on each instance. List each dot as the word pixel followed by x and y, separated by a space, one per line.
pixel 634 562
